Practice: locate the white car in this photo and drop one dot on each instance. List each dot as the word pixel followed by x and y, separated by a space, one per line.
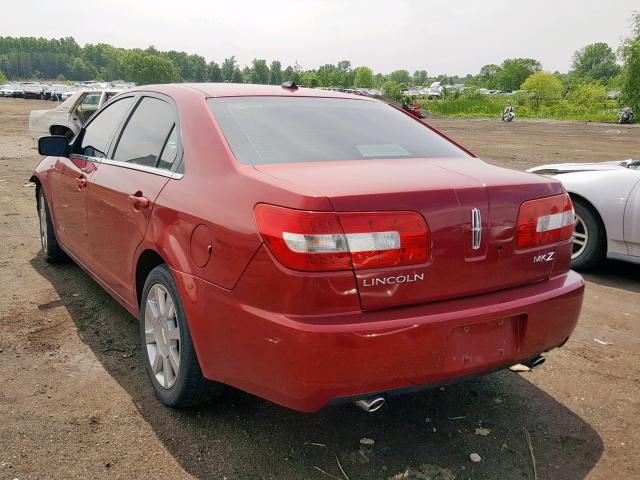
pixel 606 200
pixel 9 90
pixel 435 90
pixel 68 117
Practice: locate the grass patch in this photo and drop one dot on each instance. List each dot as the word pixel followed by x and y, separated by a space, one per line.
pixel 491 106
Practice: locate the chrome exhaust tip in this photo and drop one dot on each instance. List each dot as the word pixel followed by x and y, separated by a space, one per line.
pixel 535 362
pixel 371 404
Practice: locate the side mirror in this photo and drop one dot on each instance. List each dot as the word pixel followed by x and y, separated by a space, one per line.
pixel 54 146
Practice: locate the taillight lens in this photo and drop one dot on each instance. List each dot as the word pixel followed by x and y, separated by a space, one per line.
pixel 324 241
pixel 544 221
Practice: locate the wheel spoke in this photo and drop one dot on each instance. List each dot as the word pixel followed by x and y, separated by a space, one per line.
pixel 174 359
pixel 173 334
pixel 171 311
pixel 150 337
pixel 165 372
pixel 579 235
pixel 157 362
pixel 161 296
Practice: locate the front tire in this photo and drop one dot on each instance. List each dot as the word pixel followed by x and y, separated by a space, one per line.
pixel 51 250
pixel 589 238
pixel 170 357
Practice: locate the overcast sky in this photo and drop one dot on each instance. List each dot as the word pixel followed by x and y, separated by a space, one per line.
pixel 441 36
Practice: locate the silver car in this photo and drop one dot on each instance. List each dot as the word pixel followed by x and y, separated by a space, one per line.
pixel 606 199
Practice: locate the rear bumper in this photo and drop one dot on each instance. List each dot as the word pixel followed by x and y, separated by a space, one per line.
pixel 304 362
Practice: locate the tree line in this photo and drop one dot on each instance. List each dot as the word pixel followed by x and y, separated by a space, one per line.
pixel 64 59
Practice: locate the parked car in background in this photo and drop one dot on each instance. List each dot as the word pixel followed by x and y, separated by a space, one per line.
pixel 606 199
pixel 33 91
pixel 435 90
pixel 55 92
pixel 5 90
pixel 13 90
pixel 307 246
pixel 68 118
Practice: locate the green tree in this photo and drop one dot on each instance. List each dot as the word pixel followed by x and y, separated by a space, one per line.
pixel 228 69
pixel 79 70
pixel 514 71
pixel 290 74
pixel 630 52
pixel 596 61
pixel 331 76
pixel 400 76
pixel 543 87
pixel 146 68
pixel 420 77
pixel 363 78
pixel 488 76
pixel 275 73
pixel 309 79
pixel 588 95
pixel 344 65
pixel 214 74
pixel 3 77
pixel 260 72
pixel 237 76
pixel 392 91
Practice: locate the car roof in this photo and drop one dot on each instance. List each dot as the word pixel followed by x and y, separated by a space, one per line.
pixel 248 90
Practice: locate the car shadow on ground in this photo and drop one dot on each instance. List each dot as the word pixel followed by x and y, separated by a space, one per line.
pixel 615 274
pixel 241 436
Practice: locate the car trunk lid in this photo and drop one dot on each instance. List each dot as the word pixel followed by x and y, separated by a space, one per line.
pixel 449 193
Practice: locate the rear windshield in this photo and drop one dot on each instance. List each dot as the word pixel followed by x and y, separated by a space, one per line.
pixel 284 130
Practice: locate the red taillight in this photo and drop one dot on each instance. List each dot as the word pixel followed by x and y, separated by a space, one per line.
pixel 544 221
pixel 323 241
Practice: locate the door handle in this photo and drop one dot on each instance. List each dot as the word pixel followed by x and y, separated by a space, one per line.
pixel 139 201
pixel 82 182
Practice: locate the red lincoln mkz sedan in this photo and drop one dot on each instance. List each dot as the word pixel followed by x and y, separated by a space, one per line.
pixel 307 246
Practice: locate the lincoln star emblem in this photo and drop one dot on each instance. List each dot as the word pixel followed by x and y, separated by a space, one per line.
pixel 476 229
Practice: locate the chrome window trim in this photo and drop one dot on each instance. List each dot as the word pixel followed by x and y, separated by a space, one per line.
pixel 143 168
pixel 131 166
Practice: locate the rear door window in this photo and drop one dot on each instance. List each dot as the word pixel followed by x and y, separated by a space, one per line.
pixel 96 137
pixel 145 134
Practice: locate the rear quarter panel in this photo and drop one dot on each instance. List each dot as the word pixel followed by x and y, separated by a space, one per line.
pixel 219 194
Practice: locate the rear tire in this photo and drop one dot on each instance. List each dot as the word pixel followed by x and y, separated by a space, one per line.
pixel 51 250
pixel 170 357
pixel 590 242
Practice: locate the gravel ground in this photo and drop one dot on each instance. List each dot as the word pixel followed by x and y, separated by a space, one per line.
pixel 75 402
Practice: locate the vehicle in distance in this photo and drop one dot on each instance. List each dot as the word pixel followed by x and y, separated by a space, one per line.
pixel 68 118
pixel 606 198
pixel 307 246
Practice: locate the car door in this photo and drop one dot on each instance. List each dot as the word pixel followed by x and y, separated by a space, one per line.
pixel 69 186
pixel 124 187
pixel 632 222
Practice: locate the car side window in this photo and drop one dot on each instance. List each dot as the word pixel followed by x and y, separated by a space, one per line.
pixel 97 135
pixel 88 106
pixel 90 101
pixel 145 133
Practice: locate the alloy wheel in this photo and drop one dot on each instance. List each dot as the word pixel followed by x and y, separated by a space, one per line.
pixel 580 237
pixel 162 335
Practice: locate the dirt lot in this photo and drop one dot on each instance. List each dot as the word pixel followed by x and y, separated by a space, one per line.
pixel 75 403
